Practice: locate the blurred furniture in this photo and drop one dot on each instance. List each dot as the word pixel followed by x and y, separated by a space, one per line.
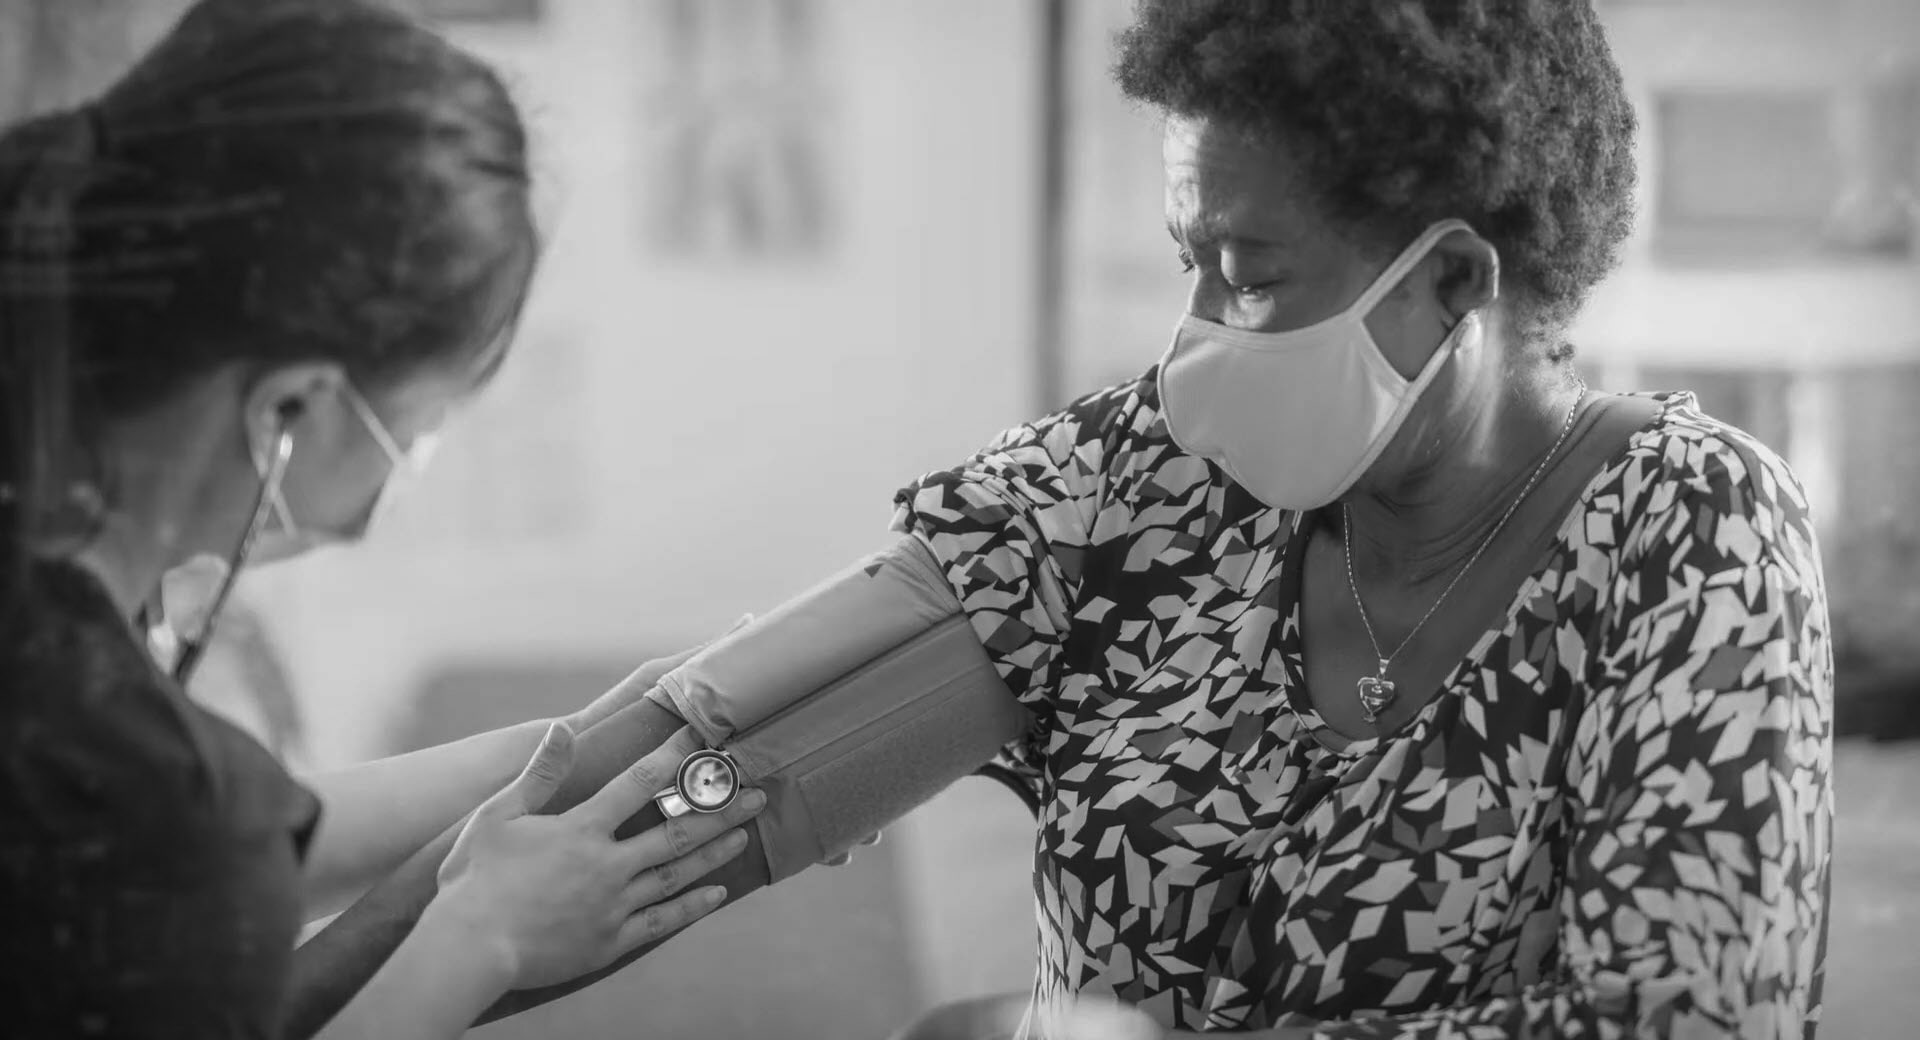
pixel 983 1018
pixel 1872 960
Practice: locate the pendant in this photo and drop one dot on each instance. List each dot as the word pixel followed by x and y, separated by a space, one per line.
pixel 1376 694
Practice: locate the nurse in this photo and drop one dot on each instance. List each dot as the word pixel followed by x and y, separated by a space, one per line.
pixel 239 294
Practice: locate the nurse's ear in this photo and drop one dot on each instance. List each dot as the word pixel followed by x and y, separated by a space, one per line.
pixel 293 398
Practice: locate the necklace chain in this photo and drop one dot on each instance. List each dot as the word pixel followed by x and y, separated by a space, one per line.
pixel 1353 584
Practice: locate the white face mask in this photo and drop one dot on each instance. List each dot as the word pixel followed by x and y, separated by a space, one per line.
pixel 1297 417
pixel 286 538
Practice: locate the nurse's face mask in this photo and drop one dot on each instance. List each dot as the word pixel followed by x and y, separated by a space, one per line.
pixel 286 537
pixel 192 594
pixel 1298 417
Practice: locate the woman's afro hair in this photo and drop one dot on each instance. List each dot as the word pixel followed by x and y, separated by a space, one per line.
pixel 1509 114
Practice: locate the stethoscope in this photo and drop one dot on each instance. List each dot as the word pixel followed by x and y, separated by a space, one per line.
pixel 193 650
pixel 708 781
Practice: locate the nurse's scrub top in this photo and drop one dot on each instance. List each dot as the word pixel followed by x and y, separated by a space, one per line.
pixel 1613 819
pixel 149 851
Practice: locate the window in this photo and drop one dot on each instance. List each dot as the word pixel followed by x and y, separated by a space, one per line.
pixel 1877 131
pixel 735 129
pixel 1755 177
pixel 1743 175
pixel 1754 400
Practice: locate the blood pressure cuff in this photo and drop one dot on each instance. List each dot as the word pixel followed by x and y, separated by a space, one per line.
pixel 849 705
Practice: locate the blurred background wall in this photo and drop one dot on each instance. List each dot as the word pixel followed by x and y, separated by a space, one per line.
pixel 803 250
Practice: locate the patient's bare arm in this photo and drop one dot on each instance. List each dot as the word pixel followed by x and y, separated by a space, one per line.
pixel 332 966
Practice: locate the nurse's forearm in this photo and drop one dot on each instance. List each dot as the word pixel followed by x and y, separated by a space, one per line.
pixel 332 966
pixel 440 977
pixel 849 705
pixel 365 831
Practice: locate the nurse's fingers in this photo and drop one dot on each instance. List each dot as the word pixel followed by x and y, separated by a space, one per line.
pixel 663 919
pixel 635 786
pixel 846 857
pixel 658 882
pixel 679 837
pixel 642 680
pixel 536 784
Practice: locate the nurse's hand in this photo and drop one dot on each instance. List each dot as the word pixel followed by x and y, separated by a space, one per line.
pixel 558 895
pixel 847 857
pixel 634 687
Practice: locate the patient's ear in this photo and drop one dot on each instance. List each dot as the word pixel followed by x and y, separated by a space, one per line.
pixel 1467 279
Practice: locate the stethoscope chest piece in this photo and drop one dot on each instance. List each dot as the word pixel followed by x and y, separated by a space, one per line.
pixel 708 782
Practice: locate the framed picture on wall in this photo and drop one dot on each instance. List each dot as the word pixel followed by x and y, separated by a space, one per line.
pixel 735 111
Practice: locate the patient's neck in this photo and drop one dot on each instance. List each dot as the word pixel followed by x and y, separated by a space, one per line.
pixel 1424 527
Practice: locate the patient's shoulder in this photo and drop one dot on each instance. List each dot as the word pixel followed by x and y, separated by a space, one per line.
pixel 1067 457
pixel 1691 481
pixel 1104 424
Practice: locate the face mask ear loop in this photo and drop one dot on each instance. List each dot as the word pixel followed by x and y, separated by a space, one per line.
pixel 1408 259
pixel 192 650
pixel 1448 348
pixel 396 455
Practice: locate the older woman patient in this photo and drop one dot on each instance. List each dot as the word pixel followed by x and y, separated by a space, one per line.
pixel 1386 681
pixel 1392 683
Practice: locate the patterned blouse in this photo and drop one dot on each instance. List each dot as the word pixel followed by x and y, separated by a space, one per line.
pixel 1613 821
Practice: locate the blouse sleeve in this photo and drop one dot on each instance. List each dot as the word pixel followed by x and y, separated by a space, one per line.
pixel 1702 801
pixel 1011 527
